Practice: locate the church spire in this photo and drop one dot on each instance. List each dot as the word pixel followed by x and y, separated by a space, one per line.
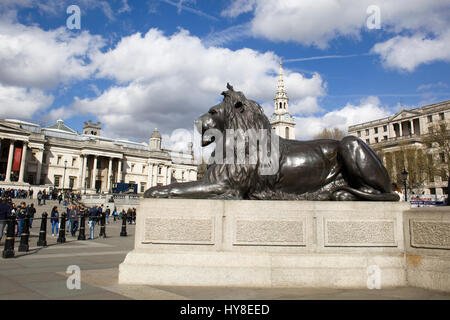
pixel 281 99
pixel 282 122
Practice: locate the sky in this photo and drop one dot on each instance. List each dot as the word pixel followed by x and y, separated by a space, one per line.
pixel 139 65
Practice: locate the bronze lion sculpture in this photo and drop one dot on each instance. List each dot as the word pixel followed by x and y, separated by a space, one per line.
pixel 322 169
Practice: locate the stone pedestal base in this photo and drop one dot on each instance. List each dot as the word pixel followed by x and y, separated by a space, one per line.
pixel 275 244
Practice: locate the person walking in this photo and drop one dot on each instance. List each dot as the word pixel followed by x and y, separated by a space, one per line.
pixel 115 214
pixel 74 221
pixel 5 211
pixel 54 218
pixel 69 221
pixel 31 212
pixel 107 213
pixel 92 219
pixel 21 216
pixel 129 214
pixel 39 197
pixel 44 196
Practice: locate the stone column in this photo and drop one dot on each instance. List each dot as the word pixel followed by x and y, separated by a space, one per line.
pixel 164 173
pixel 10 161
pixel 83 172
pixel 123 171
pixel 155 175
pixel 119 171
pixel 40 156
pixel 94 173
pixel 23 161
pixel 108 185
pixel 400 129
pixel 169 175
pixel 150 176
pixel 412 127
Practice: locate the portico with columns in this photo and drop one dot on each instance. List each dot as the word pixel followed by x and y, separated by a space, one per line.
pixel 59 157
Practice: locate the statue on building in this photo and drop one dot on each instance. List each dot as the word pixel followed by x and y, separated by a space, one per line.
pixel 291 170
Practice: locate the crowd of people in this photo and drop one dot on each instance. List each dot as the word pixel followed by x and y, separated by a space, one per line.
pixel 73 210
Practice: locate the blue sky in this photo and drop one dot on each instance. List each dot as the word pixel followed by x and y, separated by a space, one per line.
pixel 137 65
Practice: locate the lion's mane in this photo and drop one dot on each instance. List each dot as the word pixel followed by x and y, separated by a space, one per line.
pixel 246 177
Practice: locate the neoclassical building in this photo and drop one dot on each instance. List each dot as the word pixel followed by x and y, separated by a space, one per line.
pixel 58 156
pixel 407 128
pixel 281 120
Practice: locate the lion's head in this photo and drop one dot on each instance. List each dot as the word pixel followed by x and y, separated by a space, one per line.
pixel 234 112
pixel 241 115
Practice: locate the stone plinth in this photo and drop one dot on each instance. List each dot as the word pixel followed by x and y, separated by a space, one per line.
pixel 274 243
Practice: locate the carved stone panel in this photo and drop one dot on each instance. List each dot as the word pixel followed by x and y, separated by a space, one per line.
pixel 180 230
pixel 430 234
pixel 360 233
pixel 269 232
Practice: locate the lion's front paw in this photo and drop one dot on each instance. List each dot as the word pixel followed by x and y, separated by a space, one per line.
pixel 156 192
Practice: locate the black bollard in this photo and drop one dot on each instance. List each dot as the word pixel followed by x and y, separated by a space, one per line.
pixel 123 233
pixel 24 237
pixel 102 225
pixel 62 229
pixel 81 233
pixel 42 242
pixel 8 252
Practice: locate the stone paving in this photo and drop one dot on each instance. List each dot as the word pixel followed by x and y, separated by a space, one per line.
pixel 41 274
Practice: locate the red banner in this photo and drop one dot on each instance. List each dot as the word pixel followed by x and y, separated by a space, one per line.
pixel 17 159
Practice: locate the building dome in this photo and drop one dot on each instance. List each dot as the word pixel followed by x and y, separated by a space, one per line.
pixel 155 134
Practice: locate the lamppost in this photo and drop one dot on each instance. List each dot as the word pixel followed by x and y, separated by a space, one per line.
pixel 405 177
pixel 64 177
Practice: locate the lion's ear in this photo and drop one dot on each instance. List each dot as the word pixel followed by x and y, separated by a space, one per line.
pixel 240 106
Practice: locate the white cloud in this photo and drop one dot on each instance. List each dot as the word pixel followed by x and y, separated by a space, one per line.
pixel 32 57
pixel 16 102
pixel 171 80
pixel 368 109
pixel 317 22
pixel 239 7
pixel 407 53
pixel 59 7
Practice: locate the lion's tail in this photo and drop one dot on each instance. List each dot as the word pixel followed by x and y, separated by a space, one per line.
pixel 371 196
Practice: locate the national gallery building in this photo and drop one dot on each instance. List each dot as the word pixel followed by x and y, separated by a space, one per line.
pixel 60 157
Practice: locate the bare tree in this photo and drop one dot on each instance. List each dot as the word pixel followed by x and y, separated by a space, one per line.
pixel 438 141
pixel 334 133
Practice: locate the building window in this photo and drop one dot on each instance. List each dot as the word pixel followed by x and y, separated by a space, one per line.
pixel 367 132
pixel 385 138
pixel 376 130
pixel 143 168
pixel 430 118
pixel 384 128
pixel 359 134
pixel 433 190
pixel 132 167
pixel 159 170
pixel 71 182
pixel 287 133
pixel 57 180
pixel 376 140
pixel 58 161
pixel 142 187
pixel 74 161
pixel 441 116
